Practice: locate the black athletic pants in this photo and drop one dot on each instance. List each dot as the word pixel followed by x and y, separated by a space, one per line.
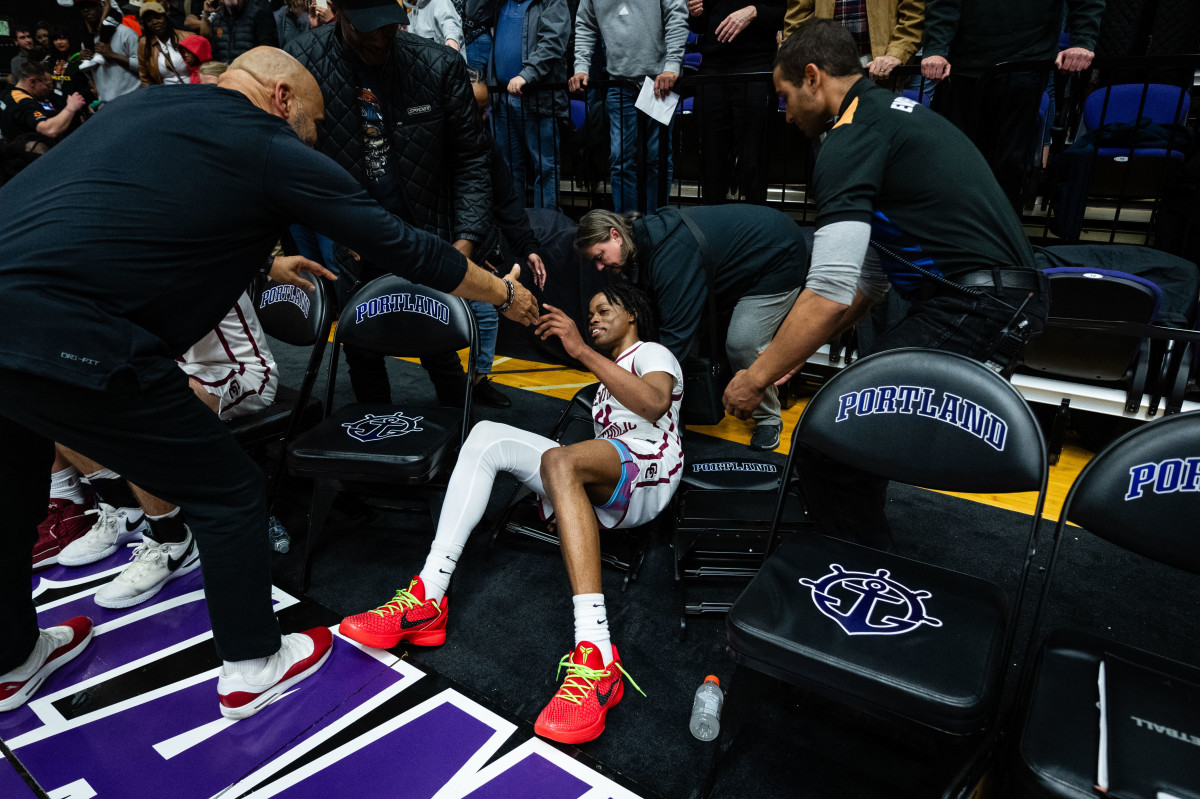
pixel 733 124
pixel 1001 119
pixel 166 441
pixel 849 503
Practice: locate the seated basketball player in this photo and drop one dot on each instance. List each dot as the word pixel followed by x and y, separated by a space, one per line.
pixel 622 478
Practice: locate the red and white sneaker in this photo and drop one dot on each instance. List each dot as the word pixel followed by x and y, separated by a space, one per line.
pixel 407 617
pixel 299 655
pixel 65 522
pixel 576 713
pixel 56 647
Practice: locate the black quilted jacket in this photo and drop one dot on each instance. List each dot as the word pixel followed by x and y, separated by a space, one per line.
pixel 434 128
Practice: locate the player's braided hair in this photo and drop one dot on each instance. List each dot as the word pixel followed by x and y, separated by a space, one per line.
pixel 635 301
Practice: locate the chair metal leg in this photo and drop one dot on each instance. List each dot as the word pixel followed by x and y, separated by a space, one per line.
pixel 318 511
pixel 1058 432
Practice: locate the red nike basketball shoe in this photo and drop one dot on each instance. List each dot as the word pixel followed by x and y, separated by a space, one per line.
pixel 576 713
pixel 409 616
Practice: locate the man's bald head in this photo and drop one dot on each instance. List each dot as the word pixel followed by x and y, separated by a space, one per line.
pixel 270 65
pixel 280 85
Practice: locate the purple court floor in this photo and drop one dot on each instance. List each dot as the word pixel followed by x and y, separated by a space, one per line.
pixel 136 716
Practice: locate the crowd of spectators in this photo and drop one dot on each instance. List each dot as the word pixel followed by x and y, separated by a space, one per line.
pixel 528 49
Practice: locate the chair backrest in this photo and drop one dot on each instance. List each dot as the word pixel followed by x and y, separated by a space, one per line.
pixel 1128 102
pixel 576 423
pixel 928 418
pixel 1087 293
pixel 301 318
pixel 1142 492
pixel 293 315
pixel 394 316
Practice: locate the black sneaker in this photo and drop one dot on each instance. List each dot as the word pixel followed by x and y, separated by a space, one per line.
pixel 487 393
pixel 766 437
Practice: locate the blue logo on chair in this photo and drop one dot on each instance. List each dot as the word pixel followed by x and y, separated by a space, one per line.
pixel 868 613
pixel 377 428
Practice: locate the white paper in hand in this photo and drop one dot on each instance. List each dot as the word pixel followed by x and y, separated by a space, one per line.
pixel 658 110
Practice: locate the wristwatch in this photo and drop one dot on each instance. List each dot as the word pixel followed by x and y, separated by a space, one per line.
pixel 512 293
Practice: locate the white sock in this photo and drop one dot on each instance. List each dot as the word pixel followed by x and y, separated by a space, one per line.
pixel 66 485
pixel 439 566
pixel 104 474
pixel 591 623
pixel 245 667
pixel 168 515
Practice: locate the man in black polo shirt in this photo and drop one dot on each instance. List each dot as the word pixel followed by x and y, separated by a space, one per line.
pixel 96 304
pixel 21 111
pixel 892 173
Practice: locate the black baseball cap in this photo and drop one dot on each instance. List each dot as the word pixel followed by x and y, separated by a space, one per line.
pixel 369 15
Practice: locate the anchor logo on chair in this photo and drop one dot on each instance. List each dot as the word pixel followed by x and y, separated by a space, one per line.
pixel 859 616
pixel 374 427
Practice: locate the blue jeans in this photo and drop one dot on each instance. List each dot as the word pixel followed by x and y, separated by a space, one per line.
pixel 479 53
pixel 623 153
pixel 316 247
pixel 487 321
pixel 529 142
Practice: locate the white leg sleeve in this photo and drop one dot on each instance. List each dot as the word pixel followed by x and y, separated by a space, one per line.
pixel 491 448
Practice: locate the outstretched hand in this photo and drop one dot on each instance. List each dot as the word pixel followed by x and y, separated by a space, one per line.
pixel 524 307
pixel 287 269
pixel 556 323
pixel 538 268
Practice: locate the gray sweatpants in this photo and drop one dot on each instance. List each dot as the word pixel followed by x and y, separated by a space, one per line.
pixel 753 325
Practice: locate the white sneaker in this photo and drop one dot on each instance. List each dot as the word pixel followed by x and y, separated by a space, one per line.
pixel 299 655
pixel 96 60
pixel 55 647
pixel 113 529
pixel 152 566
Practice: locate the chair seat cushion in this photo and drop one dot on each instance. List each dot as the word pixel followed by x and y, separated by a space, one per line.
pixel 877 630
pixel 401 443
pixel 272 421
pixel 1059 744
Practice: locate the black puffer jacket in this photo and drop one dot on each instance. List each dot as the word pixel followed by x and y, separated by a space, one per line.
pixel 433 127
pixel 251 27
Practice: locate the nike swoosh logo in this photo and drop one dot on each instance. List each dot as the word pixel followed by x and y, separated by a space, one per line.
pixel 597 606
pixel 443 571
pixel 174 563
pixel 602 698
pixel 131 526
pixel 405 624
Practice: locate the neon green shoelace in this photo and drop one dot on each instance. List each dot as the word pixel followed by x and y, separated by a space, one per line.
pixel 581 679
pixel 402 601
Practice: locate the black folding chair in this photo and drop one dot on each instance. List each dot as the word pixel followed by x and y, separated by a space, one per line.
pixel 624 549
pixel 373 448
pixel 916 645
pixel 1141 493
pixel 302 319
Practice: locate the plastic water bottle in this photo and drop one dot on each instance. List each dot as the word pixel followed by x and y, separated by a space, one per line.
pixel 278 535
pixel 706 709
